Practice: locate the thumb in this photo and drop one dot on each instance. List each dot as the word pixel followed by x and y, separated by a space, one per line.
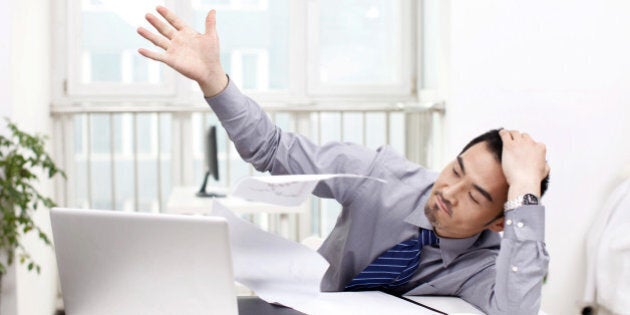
pixel 211 22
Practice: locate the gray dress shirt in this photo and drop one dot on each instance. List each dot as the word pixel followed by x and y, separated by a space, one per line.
pixel 497 275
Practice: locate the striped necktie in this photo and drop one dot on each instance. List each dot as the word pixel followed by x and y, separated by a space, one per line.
pixel 395 266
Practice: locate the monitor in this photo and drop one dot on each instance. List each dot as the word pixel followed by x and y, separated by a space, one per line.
pixel 211 164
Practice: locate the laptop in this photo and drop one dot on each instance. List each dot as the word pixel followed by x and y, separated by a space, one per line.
pixel 113 262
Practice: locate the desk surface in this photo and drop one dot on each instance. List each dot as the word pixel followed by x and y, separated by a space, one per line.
pixel 250 305
pixel 253 305
pixel 184 201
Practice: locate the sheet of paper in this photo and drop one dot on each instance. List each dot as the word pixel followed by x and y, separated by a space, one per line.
pixel 284 272
pixel 284 190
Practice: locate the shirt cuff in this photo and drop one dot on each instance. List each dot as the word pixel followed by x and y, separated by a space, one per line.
pixel 228 103
pixel 525 223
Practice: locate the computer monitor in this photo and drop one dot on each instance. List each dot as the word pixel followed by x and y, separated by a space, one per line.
pixel 211 162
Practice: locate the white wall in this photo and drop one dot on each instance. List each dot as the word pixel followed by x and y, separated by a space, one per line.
pixel 29 88
pixel 5 62
pixel 559 70
pixel 8 295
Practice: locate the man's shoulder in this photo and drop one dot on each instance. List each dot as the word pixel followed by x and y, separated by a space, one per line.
pixel 402 168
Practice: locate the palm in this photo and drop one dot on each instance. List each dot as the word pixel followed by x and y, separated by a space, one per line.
pixel 190 54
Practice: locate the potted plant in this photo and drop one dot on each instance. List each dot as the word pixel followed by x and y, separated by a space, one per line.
pixel 22 160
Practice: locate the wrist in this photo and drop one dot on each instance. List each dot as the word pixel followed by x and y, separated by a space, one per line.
pixel 213 84
pixel 521 200
pixel 523 188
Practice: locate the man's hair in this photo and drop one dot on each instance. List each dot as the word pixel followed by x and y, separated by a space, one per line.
pixel 495 145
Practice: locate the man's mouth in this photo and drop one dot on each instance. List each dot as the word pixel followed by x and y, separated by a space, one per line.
pixel 441 205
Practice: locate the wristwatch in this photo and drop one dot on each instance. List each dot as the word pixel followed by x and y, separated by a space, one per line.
pixel 522 200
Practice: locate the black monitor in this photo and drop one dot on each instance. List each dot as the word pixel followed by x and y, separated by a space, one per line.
pixel 211 162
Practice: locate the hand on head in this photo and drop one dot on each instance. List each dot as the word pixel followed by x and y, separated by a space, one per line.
pixel 524 163
pixel 190 53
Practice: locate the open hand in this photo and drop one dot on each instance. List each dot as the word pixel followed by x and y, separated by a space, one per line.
pixel 190 53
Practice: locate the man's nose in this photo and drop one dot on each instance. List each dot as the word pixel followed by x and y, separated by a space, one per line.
pixel 450 193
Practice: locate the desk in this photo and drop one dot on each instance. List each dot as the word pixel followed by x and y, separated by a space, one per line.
pixel 250 305
pixel 444 304
pixel 183 200
pixel 253 305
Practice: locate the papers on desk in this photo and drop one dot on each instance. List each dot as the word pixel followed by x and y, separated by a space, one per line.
pixel 285 190
pixel 284 272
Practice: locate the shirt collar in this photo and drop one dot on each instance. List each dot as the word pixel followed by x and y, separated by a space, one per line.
pixel 450 248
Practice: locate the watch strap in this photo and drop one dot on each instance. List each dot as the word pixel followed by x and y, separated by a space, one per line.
pixel 521 200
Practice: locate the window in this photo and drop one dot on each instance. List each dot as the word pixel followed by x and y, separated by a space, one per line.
pixel 132 128
pixel 344 47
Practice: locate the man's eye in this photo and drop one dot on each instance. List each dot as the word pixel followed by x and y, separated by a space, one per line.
pixel 473 198
pixel 455 172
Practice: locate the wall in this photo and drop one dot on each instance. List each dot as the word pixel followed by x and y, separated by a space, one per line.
pixel 560 71
pixel 8 296
pixel 5 62
pixel 29 65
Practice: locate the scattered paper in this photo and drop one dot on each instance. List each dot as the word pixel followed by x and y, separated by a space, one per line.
pixel 284 272
pixel 284 190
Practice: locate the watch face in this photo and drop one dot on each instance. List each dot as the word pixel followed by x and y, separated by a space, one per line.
pixel 530 199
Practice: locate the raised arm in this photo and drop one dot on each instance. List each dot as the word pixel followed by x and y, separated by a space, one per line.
pixel 256 138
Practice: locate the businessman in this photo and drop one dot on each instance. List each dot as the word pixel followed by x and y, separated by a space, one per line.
pixel 422 233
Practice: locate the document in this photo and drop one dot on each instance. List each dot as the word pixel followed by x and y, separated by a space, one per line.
pixel 287 273
pixel 285 190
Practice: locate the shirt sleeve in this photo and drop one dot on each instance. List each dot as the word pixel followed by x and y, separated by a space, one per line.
pixel 268 148
pixel 513 285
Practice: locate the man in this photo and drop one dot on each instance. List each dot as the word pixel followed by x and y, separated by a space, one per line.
pixel 419 234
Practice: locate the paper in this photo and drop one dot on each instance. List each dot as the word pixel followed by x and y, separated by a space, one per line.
pixel 284 190
pixel 284 272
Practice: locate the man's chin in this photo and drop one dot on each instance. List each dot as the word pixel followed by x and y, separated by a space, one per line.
pixel 430 213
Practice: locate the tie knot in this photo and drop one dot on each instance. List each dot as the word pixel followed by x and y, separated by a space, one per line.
pixel 428 237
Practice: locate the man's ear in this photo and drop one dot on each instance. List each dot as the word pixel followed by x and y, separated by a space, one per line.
pixel 497 225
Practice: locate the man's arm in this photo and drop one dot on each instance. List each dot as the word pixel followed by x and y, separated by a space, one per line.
pixel 513 284
pixel 256 138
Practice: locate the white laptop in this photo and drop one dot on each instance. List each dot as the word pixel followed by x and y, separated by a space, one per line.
pixel 113 262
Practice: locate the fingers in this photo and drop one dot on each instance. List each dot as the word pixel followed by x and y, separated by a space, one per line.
pixel 160 26
pixel 547 169
pixel 211 22
pixel 157 40
pixel 514 135
pixel 151 54
pixel 507 135
pixel 170 16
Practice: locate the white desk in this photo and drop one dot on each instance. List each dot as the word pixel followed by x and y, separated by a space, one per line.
pixel 445 304
pixel 184 201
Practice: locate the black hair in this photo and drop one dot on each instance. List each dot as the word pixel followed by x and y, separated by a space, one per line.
pixel 495 145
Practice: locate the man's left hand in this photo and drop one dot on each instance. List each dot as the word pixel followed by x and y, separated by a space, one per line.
pixel 524 163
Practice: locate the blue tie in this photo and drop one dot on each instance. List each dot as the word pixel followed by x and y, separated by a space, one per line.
pixel 395 266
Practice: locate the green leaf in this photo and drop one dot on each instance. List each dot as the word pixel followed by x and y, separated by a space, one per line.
pixel 22 158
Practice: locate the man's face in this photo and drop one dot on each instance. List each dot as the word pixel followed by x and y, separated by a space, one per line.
pixel 468 195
